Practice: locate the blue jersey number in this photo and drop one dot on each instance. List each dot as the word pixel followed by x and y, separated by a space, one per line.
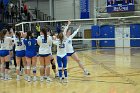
pixel 44 41
pixel 69 41
pixel 29 43
pixel 19 43
pixel 61 45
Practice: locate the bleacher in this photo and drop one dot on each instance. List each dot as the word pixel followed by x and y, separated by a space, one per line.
pixel 9 13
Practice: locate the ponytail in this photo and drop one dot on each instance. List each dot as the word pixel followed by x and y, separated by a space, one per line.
pixel 29 35
pixel 60 37
pixel 44 31
pixel 2 34
pixel 18 34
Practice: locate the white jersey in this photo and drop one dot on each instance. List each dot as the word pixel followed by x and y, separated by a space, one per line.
pixel 19 44
pixel 50 46
pixel 5 45
pixel 61 48
pixel 69 47
pixel 44 45
pixel 13 38
pixel 0 46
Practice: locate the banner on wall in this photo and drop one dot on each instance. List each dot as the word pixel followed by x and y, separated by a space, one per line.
pixel 120 5
pixel 84 9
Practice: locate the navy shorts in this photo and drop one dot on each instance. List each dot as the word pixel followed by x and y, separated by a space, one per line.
pixel 4 53
pixel 30 54
pixel 70 54
pixel 44 55
pixel 20 53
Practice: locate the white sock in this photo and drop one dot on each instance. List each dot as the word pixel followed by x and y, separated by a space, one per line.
pixel 2 74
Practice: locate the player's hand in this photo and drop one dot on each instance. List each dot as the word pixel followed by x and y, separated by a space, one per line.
pixel 69 22
pixel 79 26
pixel 54 37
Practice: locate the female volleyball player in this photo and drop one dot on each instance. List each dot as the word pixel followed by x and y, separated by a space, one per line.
pixel 12 35
pixel 30 53
pixel 61 55
pixel 5 43
pixel 44 42
pixel 70 50
pixel 0 54
pixel 20 53
pixel 52 58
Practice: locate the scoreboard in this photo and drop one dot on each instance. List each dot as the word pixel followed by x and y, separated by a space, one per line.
pixel 120 5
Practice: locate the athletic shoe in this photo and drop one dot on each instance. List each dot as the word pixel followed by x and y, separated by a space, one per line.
pixel 45 77
pixel 86 73
pixel 49 79
pixel 2 78
pixel 61 80
pixel 18 78
pixel 63 76
pixel 34 78
pixel 7 78
pixel 26 77
pixel 21 72
pixel 29 79
pixel 41 78
pixel 56 75
pixel 66 80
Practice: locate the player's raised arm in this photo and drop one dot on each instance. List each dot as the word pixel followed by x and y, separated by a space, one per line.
pixel 75 32
pixel 66 28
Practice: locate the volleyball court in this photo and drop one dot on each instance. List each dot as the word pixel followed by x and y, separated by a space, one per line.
pixel 96 45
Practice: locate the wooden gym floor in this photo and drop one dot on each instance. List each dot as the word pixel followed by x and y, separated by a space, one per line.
pixel 112 71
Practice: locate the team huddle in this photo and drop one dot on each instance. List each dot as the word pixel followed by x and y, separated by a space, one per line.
pixel 25 50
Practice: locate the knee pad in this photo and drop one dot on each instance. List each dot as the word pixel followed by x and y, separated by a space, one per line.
pixel 52 61
pixel 60 68
pixel 34 69
pixel 53 66
pixel 7 65
pixel 48 66
pixel 18 67
pixel 28 67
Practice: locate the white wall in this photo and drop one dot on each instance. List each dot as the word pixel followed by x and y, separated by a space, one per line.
pixel 64 9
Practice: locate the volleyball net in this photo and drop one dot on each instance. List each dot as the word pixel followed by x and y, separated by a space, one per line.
pixel 107 33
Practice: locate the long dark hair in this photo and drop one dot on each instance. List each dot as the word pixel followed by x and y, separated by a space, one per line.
pixel 44 31
pixel 18 34
pixel 60 37
pixel 3 33
pixel 0 35
pixel 29 35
